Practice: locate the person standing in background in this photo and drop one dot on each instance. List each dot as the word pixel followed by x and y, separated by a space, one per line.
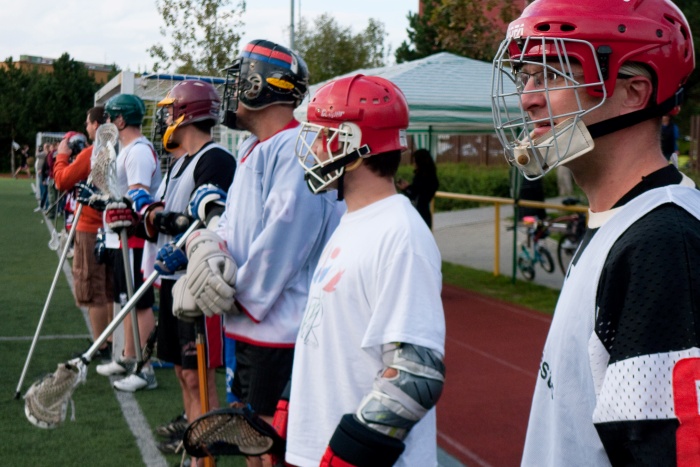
pixel 669 139
pixel 421 190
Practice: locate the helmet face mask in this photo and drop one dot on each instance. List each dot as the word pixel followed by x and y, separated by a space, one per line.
pixel 335 144
pixel 549 69
pixel 595 38
pixel 187 102
pixel 264 74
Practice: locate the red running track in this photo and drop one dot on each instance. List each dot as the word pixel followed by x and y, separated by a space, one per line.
pixel 493 352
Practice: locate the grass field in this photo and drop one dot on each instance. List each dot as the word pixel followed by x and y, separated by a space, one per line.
pixel 100 435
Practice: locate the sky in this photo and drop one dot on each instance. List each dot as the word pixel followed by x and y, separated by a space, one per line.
pixel 120 31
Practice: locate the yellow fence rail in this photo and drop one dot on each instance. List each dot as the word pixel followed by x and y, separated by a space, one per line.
pixel 497 203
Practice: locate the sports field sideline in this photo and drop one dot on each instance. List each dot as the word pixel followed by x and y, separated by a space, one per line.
pixel 492 354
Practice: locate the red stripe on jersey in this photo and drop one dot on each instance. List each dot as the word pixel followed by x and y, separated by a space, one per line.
pixel 686 392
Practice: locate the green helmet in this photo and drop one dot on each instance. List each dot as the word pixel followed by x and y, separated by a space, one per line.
pixel 129 106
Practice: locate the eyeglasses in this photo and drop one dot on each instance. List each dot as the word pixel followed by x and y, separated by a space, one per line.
pixel 539 79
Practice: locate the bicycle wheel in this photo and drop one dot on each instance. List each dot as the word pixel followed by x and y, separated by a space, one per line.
pixel 565 250
pixel 526 268
pixel 546 258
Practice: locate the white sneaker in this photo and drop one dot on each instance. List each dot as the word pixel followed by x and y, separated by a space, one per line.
pixel 115 367
pixel 132 383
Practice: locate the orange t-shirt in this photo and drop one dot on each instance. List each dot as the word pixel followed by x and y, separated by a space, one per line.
pixel 66 175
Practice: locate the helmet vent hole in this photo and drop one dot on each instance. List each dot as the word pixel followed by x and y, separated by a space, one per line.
pixel 375 101
pixel 622 28
pixel 363 100
pixel 386 98
pixel 543 27
pixel 567 27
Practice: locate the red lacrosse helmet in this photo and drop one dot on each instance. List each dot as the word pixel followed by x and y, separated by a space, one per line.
pixel 192 101
pixel 651 32
pixel 646 36
pixel 356 117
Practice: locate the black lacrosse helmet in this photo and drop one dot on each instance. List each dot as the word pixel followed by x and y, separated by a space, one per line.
pixel 264 74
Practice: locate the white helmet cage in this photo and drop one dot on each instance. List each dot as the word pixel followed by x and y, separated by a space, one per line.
pixel 568 137
pixel 337 144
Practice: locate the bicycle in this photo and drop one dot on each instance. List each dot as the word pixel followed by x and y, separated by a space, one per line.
pixel 573 228
pixel 533 251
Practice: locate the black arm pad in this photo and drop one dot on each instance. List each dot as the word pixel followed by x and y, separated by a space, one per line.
pixel 356 443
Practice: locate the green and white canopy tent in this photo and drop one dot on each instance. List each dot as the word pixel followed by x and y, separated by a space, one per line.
pixel 446 94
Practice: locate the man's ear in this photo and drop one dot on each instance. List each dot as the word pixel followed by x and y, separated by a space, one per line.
pixel 638 92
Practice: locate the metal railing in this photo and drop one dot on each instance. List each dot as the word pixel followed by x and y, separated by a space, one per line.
pixel 497 203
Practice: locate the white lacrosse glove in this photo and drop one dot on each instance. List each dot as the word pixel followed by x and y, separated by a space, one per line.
pixel 184 307
pixel 211 273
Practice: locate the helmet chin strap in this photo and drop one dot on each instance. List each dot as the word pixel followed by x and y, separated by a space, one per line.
pixel 627 120
pixel 345 161
pixel 350 161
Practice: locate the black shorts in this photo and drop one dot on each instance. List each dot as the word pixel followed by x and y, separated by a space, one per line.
pixel 120 291
pixel 261 375
pixel 176 341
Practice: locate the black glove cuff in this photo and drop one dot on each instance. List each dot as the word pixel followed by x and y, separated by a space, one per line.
pixel 360 445
pixel 171 223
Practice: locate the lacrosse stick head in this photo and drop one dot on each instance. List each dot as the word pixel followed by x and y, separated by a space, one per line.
pixel 46 401
pixel 55 241
pixel 103 172
pixel 234 431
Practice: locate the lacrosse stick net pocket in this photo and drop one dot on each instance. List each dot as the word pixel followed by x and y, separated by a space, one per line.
pixel 46 401
pixel 229 432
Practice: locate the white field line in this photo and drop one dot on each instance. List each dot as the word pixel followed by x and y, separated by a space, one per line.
pixel 130 408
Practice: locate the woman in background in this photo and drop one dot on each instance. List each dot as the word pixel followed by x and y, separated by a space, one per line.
pixel 425 183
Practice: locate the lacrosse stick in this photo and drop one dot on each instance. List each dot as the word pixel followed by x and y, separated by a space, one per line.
pixel 46 399
pixel 106 181
pixel 234 431
pixel 202 373
pixel 61 261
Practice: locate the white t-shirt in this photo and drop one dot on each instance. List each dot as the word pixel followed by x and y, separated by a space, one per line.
pixel 378 281
pixel 138 164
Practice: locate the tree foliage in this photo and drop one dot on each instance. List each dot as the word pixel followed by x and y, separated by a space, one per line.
pixel 203 35
pixel 31 102
pixel 691 9
pixel 471 28
pixel 330 49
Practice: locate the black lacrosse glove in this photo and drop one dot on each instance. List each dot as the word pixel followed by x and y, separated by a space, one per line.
pixel 88 194
pixel 354 443
pixel 100 247
pixel 171 223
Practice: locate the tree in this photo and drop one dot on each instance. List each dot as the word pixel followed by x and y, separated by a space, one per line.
pixel 691 10
pixel 471 28
pixel 31 101
pixel 330 50
pixel 422 36
pixel 203 35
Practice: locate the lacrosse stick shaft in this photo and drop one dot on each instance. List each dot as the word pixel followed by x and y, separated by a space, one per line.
pixel 202 372
pixel 64 255
pixel 116 321
pixel 128 271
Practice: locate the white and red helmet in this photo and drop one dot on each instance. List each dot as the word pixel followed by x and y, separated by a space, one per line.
pixel 192 101
pixel 601 36
pixel 76 142
pixel 355 117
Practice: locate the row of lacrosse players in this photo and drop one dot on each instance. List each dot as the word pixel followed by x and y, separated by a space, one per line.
pixel 308 269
